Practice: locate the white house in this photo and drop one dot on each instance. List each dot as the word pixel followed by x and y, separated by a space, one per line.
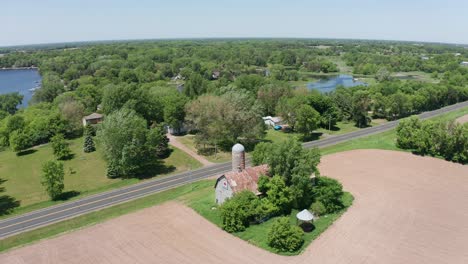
pixel 464 63
pixel 272 121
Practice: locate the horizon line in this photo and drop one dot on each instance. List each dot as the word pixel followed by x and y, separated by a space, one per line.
pixel 225 38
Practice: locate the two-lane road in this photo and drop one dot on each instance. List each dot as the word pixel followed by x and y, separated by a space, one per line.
pixel 35 219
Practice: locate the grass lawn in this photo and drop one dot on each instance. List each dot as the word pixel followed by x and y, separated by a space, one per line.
pixel 84 174
pixel 203 203
pixel 220 157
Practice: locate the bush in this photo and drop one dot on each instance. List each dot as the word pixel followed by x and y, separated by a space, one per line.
pixel 318 208
pixel 328 192
pixel 237 212
pixel 285 237
pixel 89 144
pixel 264 209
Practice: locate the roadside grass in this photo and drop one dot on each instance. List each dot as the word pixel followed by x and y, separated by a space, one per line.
pixel 85 174
pixel 102 215
pixel 340 128
pixel 203 203
pixel 385 140
pixel 220 157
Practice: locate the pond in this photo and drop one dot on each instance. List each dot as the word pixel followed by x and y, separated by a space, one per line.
pixel 330 84
pixel 23 81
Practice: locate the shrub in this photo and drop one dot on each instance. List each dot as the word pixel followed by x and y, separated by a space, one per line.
pixel 328 191
pixel 285 237
pixel 318 208
pixel 89 144
pixel 237 212
pixel 264 209
pixel 112 171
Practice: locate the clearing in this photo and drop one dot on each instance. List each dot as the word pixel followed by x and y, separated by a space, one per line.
pixel 407 209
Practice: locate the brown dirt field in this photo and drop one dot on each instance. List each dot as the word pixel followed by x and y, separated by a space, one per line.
pixel 408 209
pixel 462 120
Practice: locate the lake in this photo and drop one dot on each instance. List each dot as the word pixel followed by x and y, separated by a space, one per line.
pixel 330 84
pixel 21 81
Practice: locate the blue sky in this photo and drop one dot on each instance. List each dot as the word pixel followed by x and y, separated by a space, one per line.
pixel 45 21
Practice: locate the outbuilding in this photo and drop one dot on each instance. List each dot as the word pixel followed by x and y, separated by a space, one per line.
pixel 92 119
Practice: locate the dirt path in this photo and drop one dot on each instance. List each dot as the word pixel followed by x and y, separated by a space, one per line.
pixel 462 120
pixel 174 142
pixel 408 209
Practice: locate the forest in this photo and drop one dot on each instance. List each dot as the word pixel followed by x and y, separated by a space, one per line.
pixel 220 90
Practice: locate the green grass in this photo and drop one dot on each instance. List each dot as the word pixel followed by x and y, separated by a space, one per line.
pixel 220 157
pixel 416 76
pixel 340 128
pixel 384 140
pixel 22 174
pixel 203 203
pixel 102 215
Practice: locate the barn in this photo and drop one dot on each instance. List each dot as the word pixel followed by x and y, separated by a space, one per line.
pixel 240 178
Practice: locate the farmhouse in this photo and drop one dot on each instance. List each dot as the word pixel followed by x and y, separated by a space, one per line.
pixel 92 119
pixel 240 178
pixel 272 121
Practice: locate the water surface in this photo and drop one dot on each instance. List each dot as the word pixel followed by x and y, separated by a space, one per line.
pixel 21 81
pixel 330 84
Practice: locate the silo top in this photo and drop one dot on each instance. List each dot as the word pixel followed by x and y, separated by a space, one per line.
pixel 237 148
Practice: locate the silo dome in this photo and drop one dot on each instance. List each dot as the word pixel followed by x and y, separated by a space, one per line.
pixel 237 148
pixel 238 157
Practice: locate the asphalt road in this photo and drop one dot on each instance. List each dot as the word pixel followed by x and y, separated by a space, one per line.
pixel 46 216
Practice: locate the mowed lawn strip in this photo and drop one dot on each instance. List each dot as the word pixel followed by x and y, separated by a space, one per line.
pixel 85 174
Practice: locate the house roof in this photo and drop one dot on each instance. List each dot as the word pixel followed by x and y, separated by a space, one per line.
pixel 246 179
pixel 93 116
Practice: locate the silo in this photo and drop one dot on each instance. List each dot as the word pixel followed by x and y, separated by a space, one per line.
pixel 238 157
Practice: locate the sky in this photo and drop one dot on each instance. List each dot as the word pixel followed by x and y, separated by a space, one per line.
pixel 51 21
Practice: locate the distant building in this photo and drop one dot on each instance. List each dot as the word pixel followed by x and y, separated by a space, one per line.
pixel 240 178
pixel 272 120
pixel 92 119
pixel 424 58
pixel 464 63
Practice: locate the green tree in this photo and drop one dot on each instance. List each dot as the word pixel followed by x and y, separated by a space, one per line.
pixel 60 147
pixel 19 141
pixel 127 144
pixel 328 192
pixel 89 141
pixel 279 194
pixel 52 178
pixel 361 104
pixel 9 102
pixel 195 85
pixel 406 132
pixel 285 237
pixel 307 120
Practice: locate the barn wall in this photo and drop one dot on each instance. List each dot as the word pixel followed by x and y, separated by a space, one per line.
pixel 223 190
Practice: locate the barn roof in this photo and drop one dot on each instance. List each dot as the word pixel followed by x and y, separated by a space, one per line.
pixel 246 179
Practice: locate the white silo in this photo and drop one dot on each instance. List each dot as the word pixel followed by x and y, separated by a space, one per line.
pixel 238 157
